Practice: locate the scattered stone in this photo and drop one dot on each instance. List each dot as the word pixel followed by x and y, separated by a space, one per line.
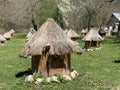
pixel 97 48
pixel 72 74
pixel 54 79
pixel 75 72
pixel 48 79
pixel 29 78
pixel 39 80
pixel 67 77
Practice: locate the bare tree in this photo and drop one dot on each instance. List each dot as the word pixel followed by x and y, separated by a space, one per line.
pixel 92 10
pixel 30 10
pixel 3 4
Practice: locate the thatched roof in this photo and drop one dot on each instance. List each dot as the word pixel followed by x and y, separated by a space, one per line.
pixel 50 36
pixel 12 31
pixel 84 31
pixel 72 34
pixel 92 35
pixel 7 35
pixel 66 31
pixel 29 35
pixel 2 38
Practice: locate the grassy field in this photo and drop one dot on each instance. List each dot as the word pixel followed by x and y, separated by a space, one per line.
pixel 98 70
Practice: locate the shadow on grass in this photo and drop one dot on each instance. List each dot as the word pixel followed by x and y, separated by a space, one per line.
pixel 20 74
pixel 117 61
pixel 117 42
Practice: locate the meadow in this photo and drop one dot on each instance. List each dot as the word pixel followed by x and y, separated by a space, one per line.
pixel 98 70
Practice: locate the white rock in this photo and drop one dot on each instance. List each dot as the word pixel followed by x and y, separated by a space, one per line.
pixel 67 77
pixel 54 79
pixel 75 72
pixel 97 48
pixel 72 74
pixel 48 79
pixel 39 80
pixel 29 78
pixel 92 50
pixel 88 49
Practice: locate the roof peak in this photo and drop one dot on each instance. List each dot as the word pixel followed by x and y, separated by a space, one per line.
pixel 50 20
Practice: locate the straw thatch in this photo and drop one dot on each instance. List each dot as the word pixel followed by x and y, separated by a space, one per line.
pixel 84 31
pixel 92 35
pixel 66 31
pixel 2 39
pixel 50 49
pixel 92 39
pixel 7 36
pixel 29 35
pixel 12 31
pixel 72 34
pixel 50 34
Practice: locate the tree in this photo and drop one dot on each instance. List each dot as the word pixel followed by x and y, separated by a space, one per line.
pixel 59 18
pixel 91 13
pixel 30 9
pixel 3 4
pixel 46 9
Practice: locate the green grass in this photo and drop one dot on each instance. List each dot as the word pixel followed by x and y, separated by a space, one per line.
pixel 98 70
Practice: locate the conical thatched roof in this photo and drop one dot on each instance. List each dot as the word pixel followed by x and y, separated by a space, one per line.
pixel 72 34
pixel 12 31
pixel 29 35
pixel 50 35
pixel 7 35
pixel 84 31
pixel 2 38
pixel 92 35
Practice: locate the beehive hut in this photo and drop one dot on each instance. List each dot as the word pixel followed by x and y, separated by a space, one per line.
pixel 92 39
pixel 12 31
pixel 7 36
pixel 2 39
pixel 50 49
pixel 102 32
pixel 84 31
pixel 72 34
